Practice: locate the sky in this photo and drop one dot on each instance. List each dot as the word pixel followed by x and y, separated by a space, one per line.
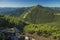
pixel 28 3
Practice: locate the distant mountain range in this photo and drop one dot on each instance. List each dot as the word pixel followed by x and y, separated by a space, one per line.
pixel 34 14
pixel 18 11
pixel 56 9
pixel 12 11
pixel 6 9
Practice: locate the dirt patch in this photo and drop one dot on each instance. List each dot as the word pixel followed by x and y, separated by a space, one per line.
pixel 37 37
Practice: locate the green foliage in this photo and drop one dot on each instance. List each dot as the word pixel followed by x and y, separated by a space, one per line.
pixel 11 21
pixel 38 14
pixel 3 22
pixel 43 29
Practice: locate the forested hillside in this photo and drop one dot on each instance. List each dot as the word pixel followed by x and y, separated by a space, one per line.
pixel 38 14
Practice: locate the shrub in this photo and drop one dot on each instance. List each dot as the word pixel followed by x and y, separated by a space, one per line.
pixel 43 29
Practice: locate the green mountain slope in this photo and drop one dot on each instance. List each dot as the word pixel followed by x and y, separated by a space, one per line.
pixel 38 14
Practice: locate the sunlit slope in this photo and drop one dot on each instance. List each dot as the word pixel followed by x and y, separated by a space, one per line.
pixel 38 14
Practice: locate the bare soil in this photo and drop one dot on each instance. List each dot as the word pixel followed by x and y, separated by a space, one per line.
pixel 37 37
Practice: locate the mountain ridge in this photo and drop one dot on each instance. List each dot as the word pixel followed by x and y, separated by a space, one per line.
pixel 38 14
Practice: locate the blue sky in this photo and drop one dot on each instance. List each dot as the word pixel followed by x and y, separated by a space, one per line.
pixel 26 3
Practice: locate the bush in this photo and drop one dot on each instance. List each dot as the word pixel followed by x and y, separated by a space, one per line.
pixel 43 29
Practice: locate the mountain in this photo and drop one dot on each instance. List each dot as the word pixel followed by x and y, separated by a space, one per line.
pixel 6 9
pixel 38 14
pixel 56 9
pixel 12 11
pixel 17 12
